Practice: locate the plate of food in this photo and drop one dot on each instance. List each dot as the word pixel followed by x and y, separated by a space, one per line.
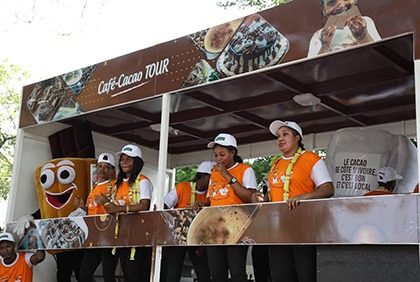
pixel 218 37
pixel 213 40
pixel 256 44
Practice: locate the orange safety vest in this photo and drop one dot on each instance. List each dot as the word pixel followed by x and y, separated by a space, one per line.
pixel 130 194
pixel 300 177
pixel 94 208
pixel 186 196
pixel 220 192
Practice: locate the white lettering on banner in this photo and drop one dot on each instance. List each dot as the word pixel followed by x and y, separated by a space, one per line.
pixel 130 79
pixel 124 80
pixel 156 69
pixel 105 87
pixel 355 173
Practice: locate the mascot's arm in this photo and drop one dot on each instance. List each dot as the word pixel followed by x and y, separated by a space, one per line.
pixel 22 223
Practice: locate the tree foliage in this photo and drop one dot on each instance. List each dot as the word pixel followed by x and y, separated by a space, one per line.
pixel 261 166
pixel 11 78
pixel 258 4
pixel 185 174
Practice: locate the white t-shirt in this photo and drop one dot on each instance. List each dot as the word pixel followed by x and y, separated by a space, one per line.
pixel 146 189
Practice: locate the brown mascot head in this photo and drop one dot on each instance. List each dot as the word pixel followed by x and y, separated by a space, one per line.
pixel 59 181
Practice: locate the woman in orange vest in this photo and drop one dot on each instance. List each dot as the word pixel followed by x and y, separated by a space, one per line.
pixel 105 170
pixel 297 175
pixel 231 183
pixel 133 192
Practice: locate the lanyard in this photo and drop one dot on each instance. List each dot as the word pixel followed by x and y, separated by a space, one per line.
pixel 134 192
pixel 288 172
pixel 192 202
pixel 109 193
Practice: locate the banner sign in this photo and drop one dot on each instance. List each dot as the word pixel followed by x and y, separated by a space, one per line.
pixel 354 156
pixel 359 220
pixel 356 171
pixel 285 33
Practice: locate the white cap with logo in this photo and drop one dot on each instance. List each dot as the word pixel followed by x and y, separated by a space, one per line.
pixel 275 126
pixel 387 174
pixel 131 151
pixel 106 158
pixel 206 167
pixel 6 237
pixel 223 139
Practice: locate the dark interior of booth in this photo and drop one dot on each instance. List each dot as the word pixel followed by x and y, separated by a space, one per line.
pixel 362 86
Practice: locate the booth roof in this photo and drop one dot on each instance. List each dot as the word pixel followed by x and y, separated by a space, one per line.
pixel 362 86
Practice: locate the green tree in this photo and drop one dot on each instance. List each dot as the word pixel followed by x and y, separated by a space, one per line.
pixel 185 174
pixel 261 166
pixel 258 4
pixel 11 79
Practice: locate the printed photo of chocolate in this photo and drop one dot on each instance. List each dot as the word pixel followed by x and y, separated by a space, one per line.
pixel 63 233
pixel 198 39
pixel 222 225
pixel 178 222
pixel 77 79
pixel 255 45
pixel 46 98
pixel 340 20
pixel 68 108
pixel 201 73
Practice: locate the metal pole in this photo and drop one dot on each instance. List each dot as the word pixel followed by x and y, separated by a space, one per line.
pixel 160 188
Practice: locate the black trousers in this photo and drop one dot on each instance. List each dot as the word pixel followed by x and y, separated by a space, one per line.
pixel 224 260
pixel 260 263
pixel 293 263
pixel 139 268
pixel 173 260
pixel 109 264
pixel 91 260
pixel 67 262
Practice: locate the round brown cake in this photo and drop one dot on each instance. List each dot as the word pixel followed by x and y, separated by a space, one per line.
pixel 255 45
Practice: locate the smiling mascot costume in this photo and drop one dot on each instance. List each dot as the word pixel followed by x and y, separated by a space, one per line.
pixel 59 181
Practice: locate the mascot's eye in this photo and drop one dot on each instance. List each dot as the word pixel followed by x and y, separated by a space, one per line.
pixel 66 174
pixel 46 179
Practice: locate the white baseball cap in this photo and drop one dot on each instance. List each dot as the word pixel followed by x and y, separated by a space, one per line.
pixel 206 167
pixel 106 158
pixel 131 151
pixel 223 139
pixel 387 174
pixel 275 126
pixel 6 237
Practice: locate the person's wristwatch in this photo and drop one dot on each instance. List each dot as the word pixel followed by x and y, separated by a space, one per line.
pixel 232 181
